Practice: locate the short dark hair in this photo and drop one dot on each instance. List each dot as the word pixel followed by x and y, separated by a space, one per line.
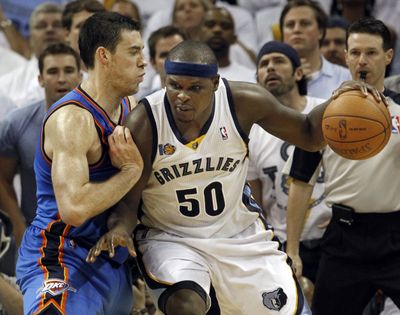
pixel 163 32
pixel 193 51
pixel 58 49
pixel 77 6
pixel 370 25
pixel 103 29
pixel 320 14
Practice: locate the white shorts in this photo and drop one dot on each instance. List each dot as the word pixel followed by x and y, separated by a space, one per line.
pixel 250 275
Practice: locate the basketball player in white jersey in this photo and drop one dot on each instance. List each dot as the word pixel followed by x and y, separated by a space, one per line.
pixel 199 226
pixel 279 71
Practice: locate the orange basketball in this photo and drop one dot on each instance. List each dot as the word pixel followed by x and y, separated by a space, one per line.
pixel 356 127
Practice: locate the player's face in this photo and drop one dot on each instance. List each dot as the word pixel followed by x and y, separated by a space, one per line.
pixel 365 53
pixel 162 48
pixel 60 75
pixel 127 64
pixel 72 35
pixel 334 44
pixel 275 73
pixel 46 29
pixel 300 30
pixel 188 14
pixel 217 30
pixel 191 98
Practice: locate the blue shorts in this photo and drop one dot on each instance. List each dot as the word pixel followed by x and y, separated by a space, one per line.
pixel 55 278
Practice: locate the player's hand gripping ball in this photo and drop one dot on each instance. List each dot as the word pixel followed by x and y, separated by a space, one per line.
pixel 356 126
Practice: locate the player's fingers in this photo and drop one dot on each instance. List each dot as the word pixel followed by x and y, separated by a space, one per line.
pixel 110 247
pixel 131 247
pixel 91 257
pixel 127 135
pixel 385 100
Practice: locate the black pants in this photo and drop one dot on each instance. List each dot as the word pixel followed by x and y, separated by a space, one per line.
pixel 357 260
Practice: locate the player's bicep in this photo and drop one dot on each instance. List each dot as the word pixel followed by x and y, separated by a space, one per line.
pixel 68 138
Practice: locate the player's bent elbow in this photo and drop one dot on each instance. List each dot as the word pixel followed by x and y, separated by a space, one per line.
pixel 73 218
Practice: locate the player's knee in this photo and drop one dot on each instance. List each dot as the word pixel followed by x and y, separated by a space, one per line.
pixel 185 302
pixel 183 298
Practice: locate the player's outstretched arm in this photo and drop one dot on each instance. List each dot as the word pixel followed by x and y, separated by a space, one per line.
pixel 70 135
pixel 254 104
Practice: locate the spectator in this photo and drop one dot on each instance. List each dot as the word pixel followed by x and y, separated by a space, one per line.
pixel 73 16
pixel 21 85
pixel 127 8
pixel 303 26
pixel 160 43
pixel 334 43
pixel 279 71
pixel 218 32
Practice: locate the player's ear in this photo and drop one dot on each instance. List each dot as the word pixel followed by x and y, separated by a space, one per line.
pixel 346 58
pixel 215 81
pixel 388 56
pixel 298 73
pixel 40 79
pixel 103 55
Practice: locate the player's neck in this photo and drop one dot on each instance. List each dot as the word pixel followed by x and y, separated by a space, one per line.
pixel 102 94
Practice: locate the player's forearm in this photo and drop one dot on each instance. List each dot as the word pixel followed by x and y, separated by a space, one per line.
pixel 298 203
pixel 91 199
pixel 123 217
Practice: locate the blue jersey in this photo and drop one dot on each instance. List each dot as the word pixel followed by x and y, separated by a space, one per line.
pixel 47 214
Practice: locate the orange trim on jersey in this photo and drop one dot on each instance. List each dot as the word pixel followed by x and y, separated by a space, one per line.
pixel 96 106
pixel 64 295
pixel 51 301
pixel 45 271
pixel 45 157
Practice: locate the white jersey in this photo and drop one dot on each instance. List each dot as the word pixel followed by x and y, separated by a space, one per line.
pixel 196 188
pixel 268 155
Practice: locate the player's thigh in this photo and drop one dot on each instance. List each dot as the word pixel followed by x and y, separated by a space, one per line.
pixel 167 265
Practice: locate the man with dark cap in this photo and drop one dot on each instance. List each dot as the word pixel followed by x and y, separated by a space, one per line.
pixel 279 71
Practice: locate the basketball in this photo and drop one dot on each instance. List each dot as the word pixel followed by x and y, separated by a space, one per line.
pixel 356 127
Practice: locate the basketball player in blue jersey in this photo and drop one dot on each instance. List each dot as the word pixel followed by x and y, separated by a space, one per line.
pixel 84 164
pixel 199 225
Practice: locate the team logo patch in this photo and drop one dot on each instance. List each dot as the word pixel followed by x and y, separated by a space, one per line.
pixel 55 287
pixel 224 133
pixel 167 149
pixel 274 300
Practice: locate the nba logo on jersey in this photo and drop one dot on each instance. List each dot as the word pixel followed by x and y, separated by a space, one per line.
pixel 396 124
pixel 224 133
